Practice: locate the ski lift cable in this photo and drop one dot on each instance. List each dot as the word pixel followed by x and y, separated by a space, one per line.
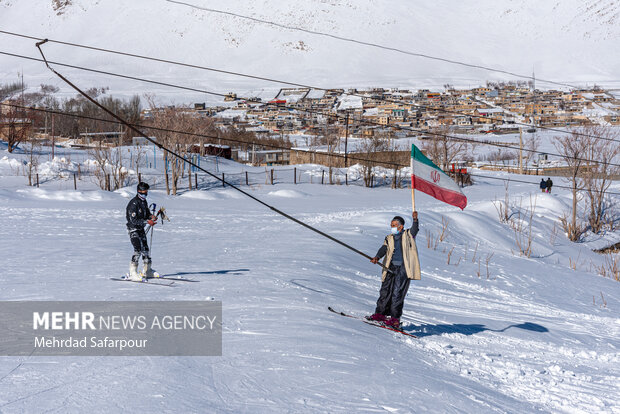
pixel 182 159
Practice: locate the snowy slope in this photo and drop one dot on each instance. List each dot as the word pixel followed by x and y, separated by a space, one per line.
pixel 564 41
pixel 531 335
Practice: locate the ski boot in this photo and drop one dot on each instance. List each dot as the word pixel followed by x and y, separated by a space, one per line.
pixel 393 323
pixel 133 273
pixel 376 317
pixel 148 271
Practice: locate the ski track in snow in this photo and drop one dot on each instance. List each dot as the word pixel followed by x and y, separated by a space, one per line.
pixel 527 339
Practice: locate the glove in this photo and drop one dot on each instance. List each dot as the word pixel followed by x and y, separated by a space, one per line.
pixel 152 221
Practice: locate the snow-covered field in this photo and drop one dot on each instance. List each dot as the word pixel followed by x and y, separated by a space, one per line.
pixel 526 335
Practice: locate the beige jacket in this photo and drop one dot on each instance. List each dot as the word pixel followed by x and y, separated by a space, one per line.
pixel 410 254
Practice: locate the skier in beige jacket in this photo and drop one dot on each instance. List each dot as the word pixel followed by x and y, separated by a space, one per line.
pixel 401 257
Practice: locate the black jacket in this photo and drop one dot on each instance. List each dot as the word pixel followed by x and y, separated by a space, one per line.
pixel 137 214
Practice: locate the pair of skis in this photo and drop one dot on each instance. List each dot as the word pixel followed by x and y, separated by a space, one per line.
pixel 371 322
pixel 155 281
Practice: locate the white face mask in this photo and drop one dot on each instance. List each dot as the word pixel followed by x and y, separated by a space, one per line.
pixel 394 230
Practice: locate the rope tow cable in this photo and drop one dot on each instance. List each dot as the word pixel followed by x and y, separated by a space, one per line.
pixel 143 135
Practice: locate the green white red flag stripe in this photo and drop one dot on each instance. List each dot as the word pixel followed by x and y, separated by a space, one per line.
pixel 430 179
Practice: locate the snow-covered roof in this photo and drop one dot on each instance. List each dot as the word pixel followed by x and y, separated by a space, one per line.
pixel 598 110
pixel 350 102
pixel 232 113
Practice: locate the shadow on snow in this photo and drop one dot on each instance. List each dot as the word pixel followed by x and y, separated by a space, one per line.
pixel 212 272
pixel 467 329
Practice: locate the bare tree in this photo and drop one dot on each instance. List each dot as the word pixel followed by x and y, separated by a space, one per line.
pixel 179 119
pixel 501 155
pixel 17 127
pixel 331 139
pixel 139 157
pixel 531 145
pixel 32 164
pixel 78 105
pixel 17 121
pixel 598 177
pixel 9 89
pixel 110 172
pixel 503 206
pixel 100 156
pixel 443 150
pixel 368 147
pixel 119 171
pixel 572 149
pixel 522 227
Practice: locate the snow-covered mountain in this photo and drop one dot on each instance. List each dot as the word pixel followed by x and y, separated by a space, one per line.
pixel 569 41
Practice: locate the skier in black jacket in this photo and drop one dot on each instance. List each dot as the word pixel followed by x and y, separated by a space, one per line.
pixel 138 215
pixel 543 185
pixel 549 185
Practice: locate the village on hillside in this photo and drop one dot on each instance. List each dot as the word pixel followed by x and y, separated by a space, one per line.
pixel 303 125
pixel 494 109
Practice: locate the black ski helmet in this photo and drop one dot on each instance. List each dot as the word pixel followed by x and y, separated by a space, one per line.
pixel 143 187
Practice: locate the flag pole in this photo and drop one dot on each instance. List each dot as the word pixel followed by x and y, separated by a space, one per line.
pixel 412 179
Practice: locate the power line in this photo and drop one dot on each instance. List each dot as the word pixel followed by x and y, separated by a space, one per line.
pixel 364 43
pixel 103 72
pixel 301 85
pixel 60 113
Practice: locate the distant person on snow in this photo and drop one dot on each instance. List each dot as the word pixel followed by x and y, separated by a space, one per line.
pixel 549 185
pixel 401 257
pixel 139 215
pixel 543 185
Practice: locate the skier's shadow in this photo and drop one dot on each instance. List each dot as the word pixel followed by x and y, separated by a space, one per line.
pixel 212 272
pixel 467 329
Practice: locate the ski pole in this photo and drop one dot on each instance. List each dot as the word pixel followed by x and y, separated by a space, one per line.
pixel 159 214
pixel 151 242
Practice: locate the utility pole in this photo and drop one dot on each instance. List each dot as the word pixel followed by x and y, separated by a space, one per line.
pixel 346 140
pixel 520 150
pixel 533 98
pixel 22 77
pixel 46 134
pixel 53 142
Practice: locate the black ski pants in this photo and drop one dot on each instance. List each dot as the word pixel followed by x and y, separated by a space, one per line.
pixel 140 246
pixel 393 291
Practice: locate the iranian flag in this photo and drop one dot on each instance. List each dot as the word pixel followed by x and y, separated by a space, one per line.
pixel 430 179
